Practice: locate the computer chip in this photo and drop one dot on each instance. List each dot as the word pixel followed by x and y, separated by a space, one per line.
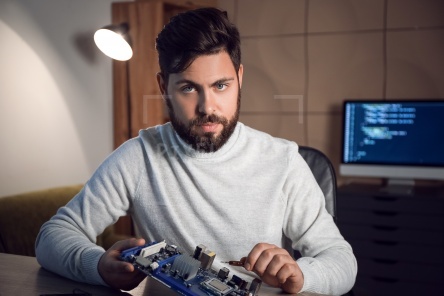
pixel 216 287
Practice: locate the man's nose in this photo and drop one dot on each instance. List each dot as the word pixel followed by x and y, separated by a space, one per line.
pixel 207 103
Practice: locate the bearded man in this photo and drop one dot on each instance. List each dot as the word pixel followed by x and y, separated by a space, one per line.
pixel 203 178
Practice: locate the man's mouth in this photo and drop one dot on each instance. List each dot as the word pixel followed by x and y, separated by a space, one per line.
pixel 209 127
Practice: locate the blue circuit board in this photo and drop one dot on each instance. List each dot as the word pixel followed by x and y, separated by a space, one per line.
pixel 189 275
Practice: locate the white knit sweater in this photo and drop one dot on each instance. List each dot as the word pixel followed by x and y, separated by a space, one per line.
pixel 256 188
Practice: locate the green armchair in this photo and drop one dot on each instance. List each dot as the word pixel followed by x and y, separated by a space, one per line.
pixel 22 215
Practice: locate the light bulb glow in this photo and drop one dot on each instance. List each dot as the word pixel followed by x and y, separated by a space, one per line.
pixel 113 45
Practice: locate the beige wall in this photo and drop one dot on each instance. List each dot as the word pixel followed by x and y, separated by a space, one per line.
pixel 55 93
pixel 303 58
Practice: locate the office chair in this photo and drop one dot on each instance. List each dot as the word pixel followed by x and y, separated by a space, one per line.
pixel 324 173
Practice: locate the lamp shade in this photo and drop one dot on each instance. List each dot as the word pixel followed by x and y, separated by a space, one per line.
pixel 114 41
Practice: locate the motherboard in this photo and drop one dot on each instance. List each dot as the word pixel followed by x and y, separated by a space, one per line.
pixel 189 275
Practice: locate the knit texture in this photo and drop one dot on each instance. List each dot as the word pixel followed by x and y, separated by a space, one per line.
pixel 255 188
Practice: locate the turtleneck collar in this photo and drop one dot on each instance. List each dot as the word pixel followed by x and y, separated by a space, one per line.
pixel 191 152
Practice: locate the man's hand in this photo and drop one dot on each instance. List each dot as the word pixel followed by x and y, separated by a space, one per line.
pixel 117 273
pixel 276 267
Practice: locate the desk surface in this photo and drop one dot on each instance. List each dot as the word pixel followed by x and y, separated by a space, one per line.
pixel 22 275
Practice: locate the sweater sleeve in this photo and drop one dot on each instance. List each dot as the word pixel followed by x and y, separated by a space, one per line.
pixel 66 243
pixel 327 263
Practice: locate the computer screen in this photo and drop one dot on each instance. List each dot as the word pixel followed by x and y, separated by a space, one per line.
pixel 393 139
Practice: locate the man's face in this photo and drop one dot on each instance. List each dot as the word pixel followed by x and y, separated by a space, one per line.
pixel 204 100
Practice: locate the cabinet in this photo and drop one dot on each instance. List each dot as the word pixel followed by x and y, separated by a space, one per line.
pixel 398 239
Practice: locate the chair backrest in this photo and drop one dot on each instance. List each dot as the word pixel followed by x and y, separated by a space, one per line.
pixel 324 174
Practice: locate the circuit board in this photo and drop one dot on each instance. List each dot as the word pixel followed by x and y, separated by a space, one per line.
pixel 189 275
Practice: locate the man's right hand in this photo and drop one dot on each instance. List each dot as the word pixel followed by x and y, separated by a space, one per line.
pixel 117 273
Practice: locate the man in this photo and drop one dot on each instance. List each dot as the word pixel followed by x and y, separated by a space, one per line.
pixel 203 178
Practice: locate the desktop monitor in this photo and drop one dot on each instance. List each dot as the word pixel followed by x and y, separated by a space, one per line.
pixel 394 140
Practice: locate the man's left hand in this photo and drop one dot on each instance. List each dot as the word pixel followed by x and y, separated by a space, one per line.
pixel 275 266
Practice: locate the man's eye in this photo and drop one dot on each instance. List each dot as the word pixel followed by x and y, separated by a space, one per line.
pixel 221 86
pixel 187 89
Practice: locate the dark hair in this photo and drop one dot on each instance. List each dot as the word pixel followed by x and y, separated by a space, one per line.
pixel 194 33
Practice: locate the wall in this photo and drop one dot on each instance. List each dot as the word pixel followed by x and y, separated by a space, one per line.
pixel 55 93
pixel 303 58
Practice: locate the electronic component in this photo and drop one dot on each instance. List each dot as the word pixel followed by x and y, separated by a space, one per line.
pixel 255 286
pixel 207 259
pixel 198 251
pixel 150 250
pixel 186 267
pixel 188 275
pixel 144 262
pixel 216 287
pixel 238 282
pixel 223 273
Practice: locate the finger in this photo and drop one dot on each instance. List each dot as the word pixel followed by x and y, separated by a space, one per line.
pixel 294 279
pixel 127 244
pixel 279 261
pixel 270 261
pixel 286 272
pixel 255 253
pixel 117 266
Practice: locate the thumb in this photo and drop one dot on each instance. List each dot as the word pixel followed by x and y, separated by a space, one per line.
pixel 128 243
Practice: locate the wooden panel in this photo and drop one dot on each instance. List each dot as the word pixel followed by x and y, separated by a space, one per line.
pixel 120 85
pixel 146 21
pixel 137 100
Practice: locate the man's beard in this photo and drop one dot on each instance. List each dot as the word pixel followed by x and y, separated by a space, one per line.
pixel 208 142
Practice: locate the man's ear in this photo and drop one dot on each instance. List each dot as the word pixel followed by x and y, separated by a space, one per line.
pixel 162 83
pixel 240 74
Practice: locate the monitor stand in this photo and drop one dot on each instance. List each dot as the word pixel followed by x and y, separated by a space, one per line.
pixel 398 186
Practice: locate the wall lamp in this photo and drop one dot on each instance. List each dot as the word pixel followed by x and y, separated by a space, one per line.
pixel 114 41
